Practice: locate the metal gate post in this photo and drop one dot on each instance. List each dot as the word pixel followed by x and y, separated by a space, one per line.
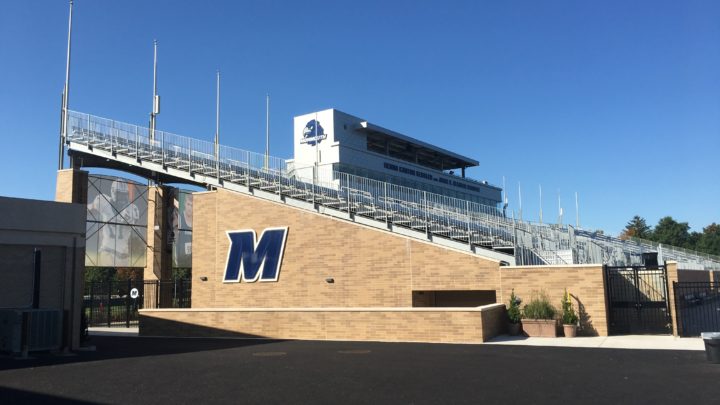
pixel 638 304
pixel 608 296
pixel 92 303
pixel 677 309
pixel 109 305
pixel 181 299
pixel 127 304
pixel 668 310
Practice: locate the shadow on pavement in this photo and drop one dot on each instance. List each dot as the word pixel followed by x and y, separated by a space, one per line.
pixel 115 347
pixel 13 396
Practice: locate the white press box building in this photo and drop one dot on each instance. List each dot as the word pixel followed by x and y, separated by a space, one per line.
pixel 340 142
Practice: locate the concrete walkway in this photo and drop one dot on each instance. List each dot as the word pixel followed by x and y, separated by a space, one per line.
pixel 104 331
pixel 605 342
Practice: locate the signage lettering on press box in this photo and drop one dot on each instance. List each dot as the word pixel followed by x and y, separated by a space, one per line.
pixel 250 259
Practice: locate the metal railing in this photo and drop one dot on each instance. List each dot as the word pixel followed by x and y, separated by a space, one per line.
pixel 112 304
pixel 697 305
pixel 451 218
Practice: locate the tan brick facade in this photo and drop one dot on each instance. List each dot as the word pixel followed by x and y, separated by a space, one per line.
pixel 585 283
pixel 672 278
pixel 378 277
pixel 370 268
pixel 157 262
pixel 459 325
pixel 695 276
pixel 71 186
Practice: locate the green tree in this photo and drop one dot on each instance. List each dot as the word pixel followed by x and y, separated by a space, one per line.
pixel 709 241
pixel 95 274
pixel 670 232
pixel 636 228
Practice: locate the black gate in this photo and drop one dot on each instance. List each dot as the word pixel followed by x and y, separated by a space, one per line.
pixel 698 307
pixel 116 303
pixel 637 300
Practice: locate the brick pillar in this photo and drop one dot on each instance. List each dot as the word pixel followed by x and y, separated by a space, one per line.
pixel 158 264
pixel 71 186
pixel 672 277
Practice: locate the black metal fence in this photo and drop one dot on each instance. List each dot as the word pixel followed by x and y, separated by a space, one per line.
pixel 116 303
pixel 637 300
pixel 697 305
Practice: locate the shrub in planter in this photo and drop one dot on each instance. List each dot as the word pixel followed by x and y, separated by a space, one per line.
pixel 569 316
pixel 539 317
pixel 514 314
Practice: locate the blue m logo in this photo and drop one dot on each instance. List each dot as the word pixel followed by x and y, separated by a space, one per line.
pixel 250 259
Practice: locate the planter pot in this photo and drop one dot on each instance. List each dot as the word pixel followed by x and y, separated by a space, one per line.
pixel 540 327
pixel 514 329
pixel 570 330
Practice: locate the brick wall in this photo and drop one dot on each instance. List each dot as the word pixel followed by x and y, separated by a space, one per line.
pixel 585 283
pixel 71 186
pixel 370 268
pixel 375 274
pixel 440 325
pixel 702 276
pixel 672 277
pixel 157 257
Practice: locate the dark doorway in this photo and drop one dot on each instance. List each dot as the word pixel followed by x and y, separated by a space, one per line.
pixel 453 298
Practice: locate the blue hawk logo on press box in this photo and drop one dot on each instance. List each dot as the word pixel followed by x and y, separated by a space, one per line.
pixel 313 132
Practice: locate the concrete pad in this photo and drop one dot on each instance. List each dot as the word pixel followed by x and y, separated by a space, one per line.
pixel 104 331
pixel 607 342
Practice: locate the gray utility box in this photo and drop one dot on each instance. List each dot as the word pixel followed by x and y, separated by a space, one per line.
pixel 44 329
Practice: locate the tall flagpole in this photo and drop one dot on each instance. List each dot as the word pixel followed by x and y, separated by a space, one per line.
pixel 560 210
pixel 267 130
pixel 217 117
pixel 66 96
pixel 540 185
pixel 520 202
pixel 317 152
pixel 504 198
pixel 156 98
pixel 217 127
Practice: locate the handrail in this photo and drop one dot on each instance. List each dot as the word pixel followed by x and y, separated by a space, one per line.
pixel 461 220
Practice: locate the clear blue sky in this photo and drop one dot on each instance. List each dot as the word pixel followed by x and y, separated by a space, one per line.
pixel 617 100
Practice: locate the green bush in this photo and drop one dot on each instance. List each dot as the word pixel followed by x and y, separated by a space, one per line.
pixel 514 308
pixel 569 317
pixel 539 307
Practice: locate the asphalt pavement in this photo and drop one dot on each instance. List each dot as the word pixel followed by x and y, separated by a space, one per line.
pixel 132 370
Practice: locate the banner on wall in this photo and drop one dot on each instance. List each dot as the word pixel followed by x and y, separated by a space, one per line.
pixel 116 223
pixel 180 228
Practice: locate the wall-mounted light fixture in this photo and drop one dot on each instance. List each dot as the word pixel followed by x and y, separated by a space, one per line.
pixel 330 280
pixel 203 278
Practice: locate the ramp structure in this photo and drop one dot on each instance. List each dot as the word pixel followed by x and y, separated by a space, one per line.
pixel 455 223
